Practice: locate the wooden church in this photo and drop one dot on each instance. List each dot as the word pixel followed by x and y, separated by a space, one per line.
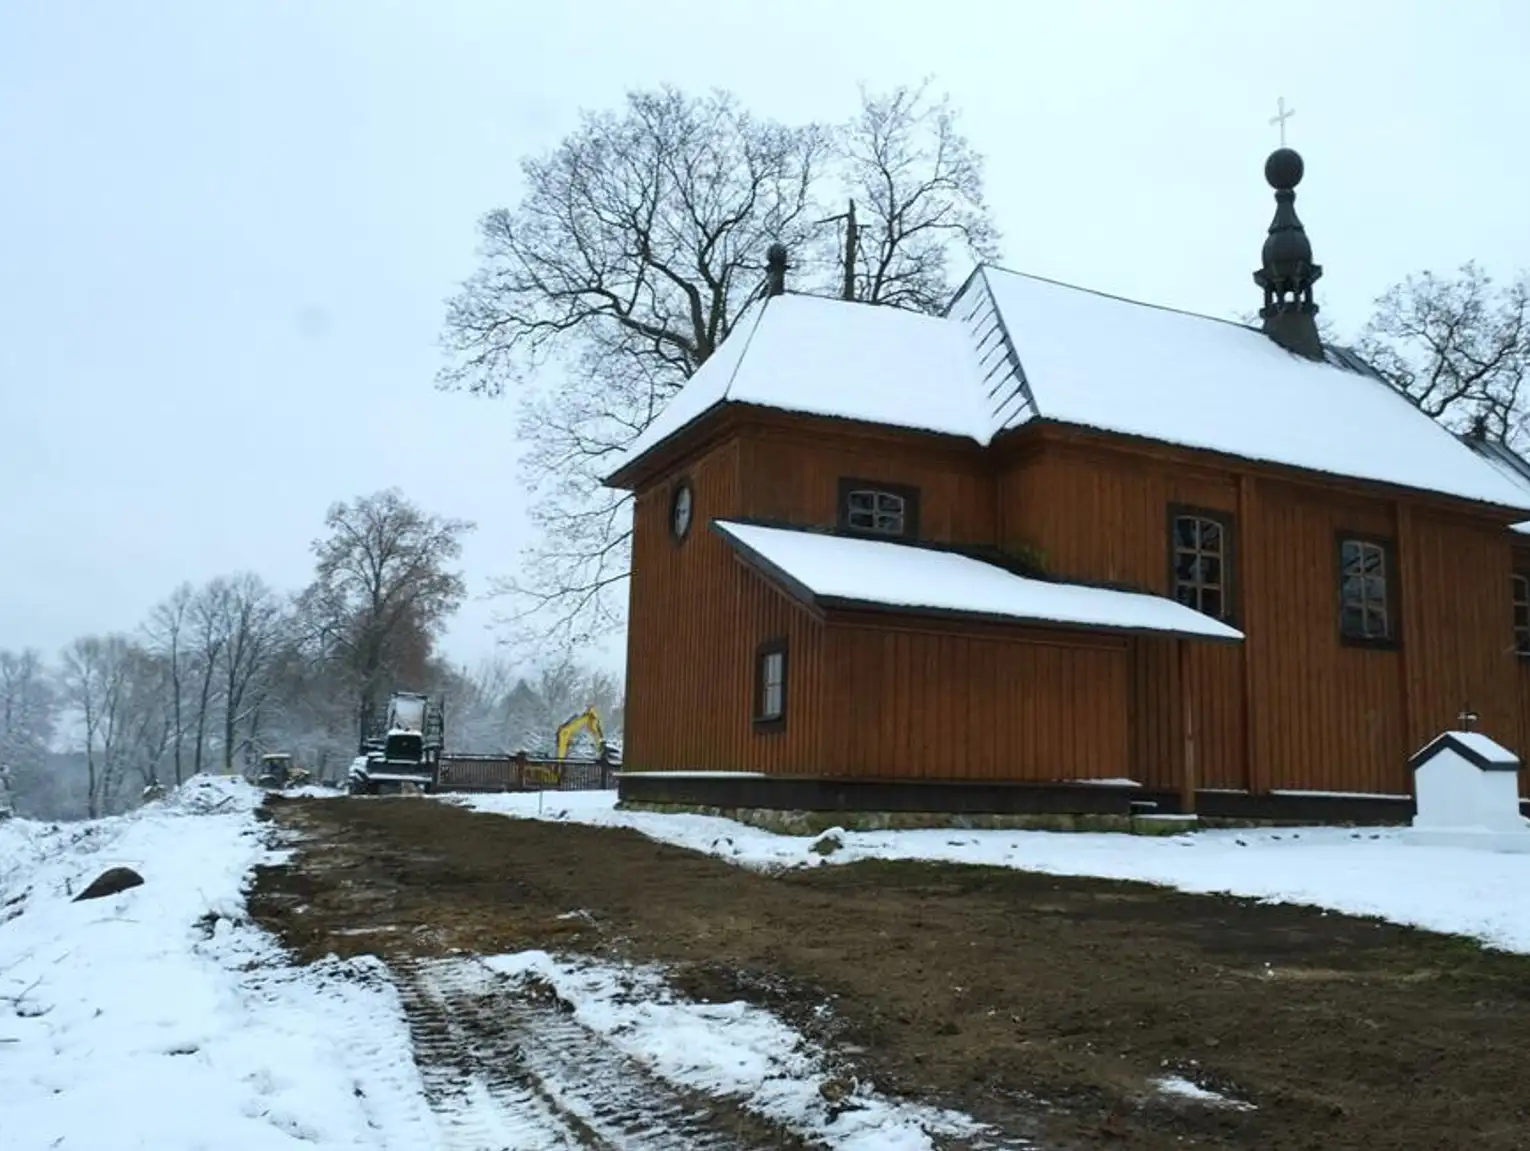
pixel 1054 550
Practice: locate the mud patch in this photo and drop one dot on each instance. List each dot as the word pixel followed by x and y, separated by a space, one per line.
pixel 1047 1007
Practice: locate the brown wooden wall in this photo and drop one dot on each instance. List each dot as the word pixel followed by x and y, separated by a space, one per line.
pixel 680 600
pixel 793 476
pixel 696 618
pixel 906 702
pixel 1104 516
pixel 1520 546
pixel 1293 707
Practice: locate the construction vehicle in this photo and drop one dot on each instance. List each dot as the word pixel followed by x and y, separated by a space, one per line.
pixel 404 753
pixel 277 772
pixel 587 720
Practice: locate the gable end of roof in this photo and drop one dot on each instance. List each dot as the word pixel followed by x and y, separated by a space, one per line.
pixel 1482 753
pixel 1007 392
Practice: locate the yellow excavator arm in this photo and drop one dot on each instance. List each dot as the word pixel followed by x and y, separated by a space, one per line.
pixel 585 720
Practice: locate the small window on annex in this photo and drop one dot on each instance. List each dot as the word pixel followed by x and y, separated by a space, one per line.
pixel 1201 561
pixel 1365 594
pixel 878 509
pixel 770 684
pixel 1521 587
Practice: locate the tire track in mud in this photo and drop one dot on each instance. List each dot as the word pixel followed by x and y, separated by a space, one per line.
pixel 507 1070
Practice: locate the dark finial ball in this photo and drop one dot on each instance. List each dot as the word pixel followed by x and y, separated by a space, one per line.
pixel 1284 168
pixel 776 254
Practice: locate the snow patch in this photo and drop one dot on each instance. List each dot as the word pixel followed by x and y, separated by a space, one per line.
pixel 736 1050
pixel 1376 872
pixel 1181 1088
pixel 161 1017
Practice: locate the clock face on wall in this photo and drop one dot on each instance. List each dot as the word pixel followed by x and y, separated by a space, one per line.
pixel 680 511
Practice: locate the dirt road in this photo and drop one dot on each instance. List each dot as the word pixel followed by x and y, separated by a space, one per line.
pixel 1043 1005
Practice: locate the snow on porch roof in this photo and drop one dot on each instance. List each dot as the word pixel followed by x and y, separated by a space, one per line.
pixel 837 571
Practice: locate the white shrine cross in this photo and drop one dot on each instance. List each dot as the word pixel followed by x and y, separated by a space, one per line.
pixel 1281 117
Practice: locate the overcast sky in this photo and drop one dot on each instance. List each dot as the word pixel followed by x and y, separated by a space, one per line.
pixel 227 229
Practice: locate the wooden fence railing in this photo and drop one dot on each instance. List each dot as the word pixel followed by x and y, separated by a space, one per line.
pixel 524 773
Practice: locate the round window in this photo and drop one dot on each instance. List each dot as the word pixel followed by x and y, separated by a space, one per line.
pixel 680 511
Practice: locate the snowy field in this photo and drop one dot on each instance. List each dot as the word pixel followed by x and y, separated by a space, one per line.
pixel 162 1017
pixel 1373 872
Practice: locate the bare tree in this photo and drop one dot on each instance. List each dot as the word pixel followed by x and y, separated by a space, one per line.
pixel 639 242
pixel 207 638
pixel 921 186
pixel 1458 348
pixel 381 586
pixel 95 676
pixel 27 710
pixel 169 629
pixel 146 719
pixel 250 623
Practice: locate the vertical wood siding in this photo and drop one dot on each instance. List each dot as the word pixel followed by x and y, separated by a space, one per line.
pixel 1292 707
pixel 1327 716
pixel 682 602
pixel 796 480
pixel 697 617
pixel 1332 715
pixel 1104 516
pixel 1462 651
pixel 913 703
pixel 1521 560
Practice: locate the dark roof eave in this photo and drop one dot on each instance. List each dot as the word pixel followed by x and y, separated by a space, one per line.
pixel 628 474
pixel 640 466
pixel 829 604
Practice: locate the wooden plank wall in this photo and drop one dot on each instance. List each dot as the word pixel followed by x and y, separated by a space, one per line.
pixel 1463 652
pixel 1520 546
pixel 1103 516
pixel 912 703
pixel 681 597
pixel 697 617
pixel 793 476
pixel 1325 716
pixel 1333 715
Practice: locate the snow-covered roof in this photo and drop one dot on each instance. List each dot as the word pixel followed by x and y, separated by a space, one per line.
pixel 1120 366
pixel 831 571
pixel 831 357
pixel 1014 349
pixel 1482 750
pixel 1508 463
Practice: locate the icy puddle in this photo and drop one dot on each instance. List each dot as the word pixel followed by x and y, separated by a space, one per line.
pixel 535 1053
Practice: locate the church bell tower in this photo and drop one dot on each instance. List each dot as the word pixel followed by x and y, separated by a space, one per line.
pixel 1287 272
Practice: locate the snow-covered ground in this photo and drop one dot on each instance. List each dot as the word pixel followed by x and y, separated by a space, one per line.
pixel 160 1017
pixel 1375 872
pixel 163 1017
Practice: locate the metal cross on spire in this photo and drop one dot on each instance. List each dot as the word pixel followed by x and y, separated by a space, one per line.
pixel 1281 117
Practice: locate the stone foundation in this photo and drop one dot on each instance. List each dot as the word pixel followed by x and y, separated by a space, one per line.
pixel 817 822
